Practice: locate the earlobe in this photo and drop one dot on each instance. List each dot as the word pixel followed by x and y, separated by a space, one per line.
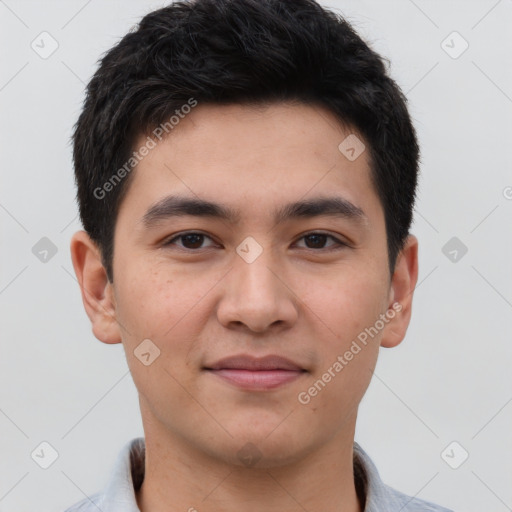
pixel 403 283
pixel 97 291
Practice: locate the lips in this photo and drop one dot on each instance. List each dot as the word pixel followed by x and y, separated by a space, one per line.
pixel 246 362
pixel 251 373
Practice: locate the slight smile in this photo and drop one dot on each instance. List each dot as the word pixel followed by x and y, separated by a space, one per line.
pixel 256 374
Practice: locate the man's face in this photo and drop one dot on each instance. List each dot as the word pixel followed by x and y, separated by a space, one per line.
pixel 301 287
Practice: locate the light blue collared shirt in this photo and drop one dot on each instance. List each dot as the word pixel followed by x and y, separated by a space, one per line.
pixel 128 473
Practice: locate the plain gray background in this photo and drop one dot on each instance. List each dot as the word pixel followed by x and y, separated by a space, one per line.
pixel 448 381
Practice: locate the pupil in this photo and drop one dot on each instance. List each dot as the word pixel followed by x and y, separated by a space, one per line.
pixel 194 240
pixel 318 240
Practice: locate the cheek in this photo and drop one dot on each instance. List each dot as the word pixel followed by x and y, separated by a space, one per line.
pixel 343 309
pixel 338 384
pixel 160 306
pixel 152 301
pixel 169 308
pixel 346 303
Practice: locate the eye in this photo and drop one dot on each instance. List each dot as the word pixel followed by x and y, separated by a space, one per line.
pixel 190 240
pixel 317 240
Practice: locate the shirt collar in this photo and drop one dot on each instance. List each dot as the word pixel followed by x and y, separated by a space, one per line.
pixel 119 494
pixel 374 489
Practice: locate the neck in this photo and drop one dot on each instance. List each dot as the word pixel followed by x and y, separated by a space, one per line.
pixel 181 478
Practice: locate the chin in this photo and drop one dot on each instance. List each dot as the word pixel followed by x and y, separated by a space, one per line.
pixel 264 446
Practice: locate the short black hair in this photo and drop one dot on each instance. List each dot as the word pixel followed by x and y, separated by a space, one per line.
pixel 239 52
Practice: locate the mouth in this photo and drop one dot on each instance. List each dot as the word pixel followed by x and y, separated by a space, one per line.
pixel 251 373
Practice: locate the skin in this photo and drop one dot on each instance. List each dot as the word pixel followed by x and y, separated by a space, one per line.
pixel 299 300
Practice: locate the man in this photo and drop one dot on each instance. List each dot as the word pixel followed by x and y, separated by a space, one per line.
pixel 246 176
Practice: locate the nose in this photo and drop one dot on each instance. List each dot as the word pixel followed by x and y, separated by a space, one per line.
pixel 255 296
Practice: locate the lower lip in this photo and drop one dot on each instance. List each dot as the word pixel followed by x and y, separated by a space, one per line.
pixel 257 380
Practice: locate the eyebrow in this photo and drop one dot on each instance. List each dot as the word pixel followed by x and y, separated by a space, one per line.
pixel 178 206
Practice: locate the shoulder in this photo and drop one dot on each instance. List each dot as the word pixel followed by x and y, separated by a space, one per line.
pixel 118 494
pixel 90 504
pixel 407 503
pixel 380 497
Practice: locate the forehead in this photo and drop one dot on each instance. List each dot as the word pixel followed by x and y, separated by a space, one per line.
pixel 253 159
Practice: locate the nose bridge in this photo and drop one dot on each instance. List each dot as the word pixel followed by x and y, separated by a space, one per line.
pixel 254 295
pixel 252 266
pixel 256 280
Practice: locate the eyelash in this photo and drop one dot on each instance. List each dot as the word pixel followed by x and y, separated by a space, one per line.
pixel 339 244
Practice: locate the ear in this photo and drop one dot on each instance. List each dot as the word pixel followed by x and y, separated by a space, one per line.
pixel 401 292
pixel 97 290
